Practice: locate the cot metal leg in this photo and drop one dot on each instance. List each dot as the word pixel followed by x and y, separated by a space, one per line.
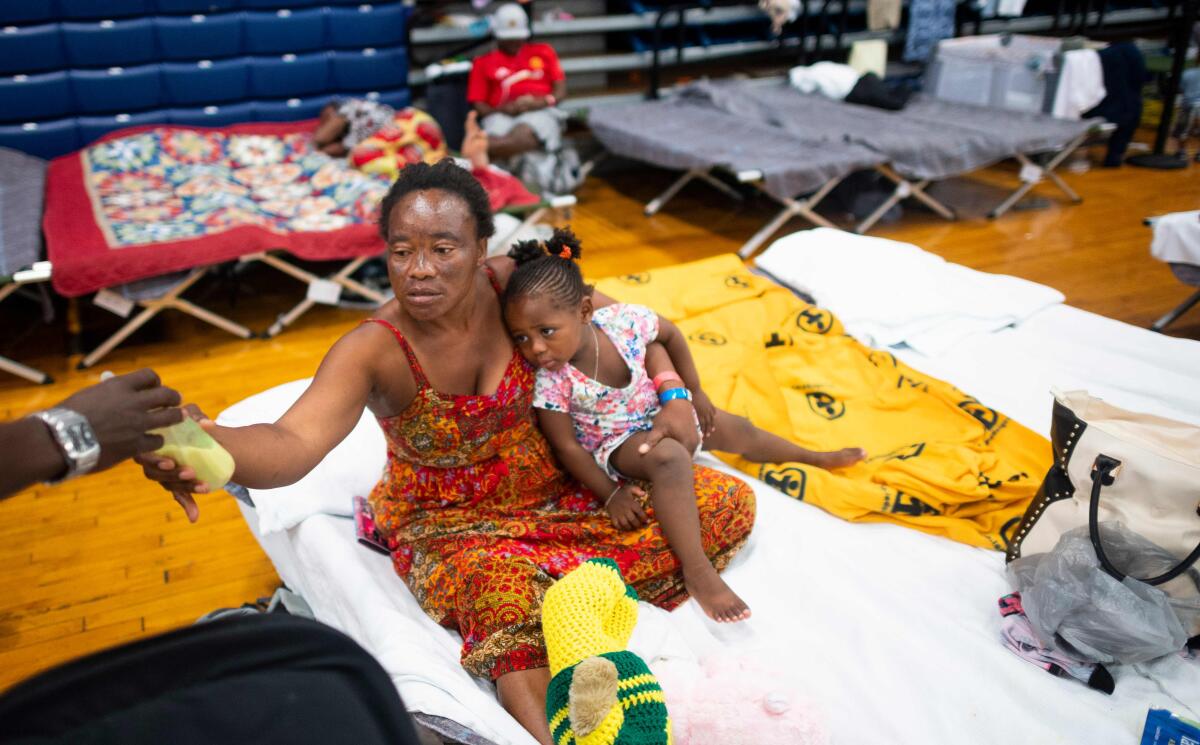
pixel 1174 315
pixel 31 374
pixel 1037 173
pixel 287 319
pixel 654 205
pixel 719 185
pixel 342 277
pixel 904 189
pixel 919 193
pixel 149 310
pixel 206 315
pixel 122 334
pixel 791 208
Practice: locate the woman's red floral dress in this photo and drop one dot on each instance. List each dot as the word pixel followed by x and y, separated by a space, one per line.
pixel 481 520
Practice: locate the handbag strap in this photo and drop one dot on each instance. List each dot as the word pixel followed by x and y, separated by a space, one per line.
pixel 1104 471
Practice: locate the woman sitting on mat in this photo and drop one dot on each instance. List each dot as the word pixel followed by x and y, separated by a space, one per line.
pixel 596 404
pixel 480 518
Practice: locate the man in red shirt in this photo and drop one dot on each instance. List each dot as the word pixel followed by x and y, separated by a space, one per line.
pixel 515 89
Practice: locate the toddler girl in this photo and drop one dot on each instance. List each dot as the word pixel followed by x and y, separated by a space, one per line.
pixel 595 404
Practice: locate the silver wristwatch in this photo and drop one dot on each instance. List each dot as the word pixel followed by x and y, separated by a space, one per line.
pixel 75 439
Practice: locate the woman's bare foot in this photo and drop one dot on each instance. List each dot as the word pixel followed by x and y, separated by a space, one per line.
pixel 839 458
pixel 714 596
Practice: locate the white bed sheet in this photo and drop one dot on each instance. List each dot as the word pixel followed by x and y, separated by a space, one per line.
pixel 893 633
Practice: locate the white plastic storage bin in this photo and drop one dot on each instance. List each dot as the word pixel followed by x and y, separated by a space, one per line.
pixel 1006 71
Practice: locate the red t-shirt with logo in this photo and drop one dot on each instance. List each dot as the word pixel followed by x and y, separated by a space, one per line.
pixel 497 78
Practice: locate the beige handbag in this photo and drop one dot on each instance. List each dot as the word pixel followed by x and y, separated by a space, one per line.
pixel 1112 465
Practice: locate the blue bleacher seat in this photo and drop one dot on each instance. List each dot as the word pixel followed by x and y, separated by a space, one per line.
pixel 31 49
pixel 194 6
pixel 397 99
pixel 101 9
pixel 213 116
pixel 216 81
pixel 28 98
pixel 199 36
pixel 117 89
pixel 107 43
pixel 290 110
pixel 370 69
pixel 26 11
pixel 367 26
pixel 290 75
pixel 92 128
pixel 284 31
pixel 43 139
pixel 279 4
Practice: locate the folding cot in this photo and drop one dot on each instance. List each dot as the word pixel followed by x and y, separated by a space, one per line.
pixel 22 185
pixel 684 135
pixel 928 140
pixel 141 215
pixel 894 634
pixel 1177 242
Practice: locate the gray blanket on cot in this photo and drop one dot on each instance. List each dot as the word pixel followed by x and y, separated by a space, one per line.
pixel 928 139
pixel 22 183
pixel 683 135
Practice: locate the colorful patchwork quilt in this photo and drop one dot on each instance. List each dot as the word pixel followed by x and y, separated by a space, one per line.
pixel 151 200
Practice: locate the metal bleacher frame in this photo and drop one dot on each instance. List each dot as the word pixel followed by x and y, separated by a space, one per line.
pixel 804 38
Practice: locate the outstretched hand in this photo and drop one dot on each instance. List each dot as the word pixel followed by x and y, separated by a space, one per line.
pixel 122 410
pixel 178 479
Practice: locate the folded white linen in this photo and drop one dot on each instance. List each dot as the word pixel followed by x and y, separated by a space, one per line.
pixel 1177 238
pixel 1080 84
pixel 830 79
pixel 1064 347
pixel 886 292
pixel 351 470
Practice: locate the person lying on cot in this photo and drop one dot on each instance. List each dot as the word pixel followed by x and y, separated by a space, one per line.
pixel 379 140
pixel 516 89
pixel 596 404
pixel 480 518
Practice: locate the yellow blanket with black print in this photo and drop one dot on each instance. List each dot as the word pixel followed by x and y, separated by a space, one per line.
pixel 939 460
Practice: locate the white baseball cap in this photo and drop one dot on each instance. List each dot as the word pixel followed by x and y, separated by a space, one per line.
pixel 510 22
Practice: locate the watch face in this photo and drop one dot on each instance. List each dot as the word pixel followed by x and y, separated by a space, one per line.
pixel 81 437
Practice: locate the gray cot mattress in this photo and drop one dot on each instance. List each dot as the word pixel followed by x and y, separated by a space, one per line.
pixel 682 135
pixel 928 139
pixel 22 183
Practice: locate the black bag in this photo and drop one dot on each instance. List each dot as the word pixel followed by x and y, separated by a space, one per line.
pixel 254 679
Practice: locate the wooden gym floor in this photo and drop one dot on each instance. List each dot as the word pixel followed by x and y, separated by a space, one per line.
pixel 109 558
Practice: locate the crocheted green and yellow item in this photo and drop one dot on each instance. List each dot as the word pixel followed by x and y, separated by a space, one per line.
pixel 600 693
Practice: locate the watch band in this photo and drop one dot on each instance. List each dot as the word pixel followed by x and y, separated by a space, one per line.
pixel 75 439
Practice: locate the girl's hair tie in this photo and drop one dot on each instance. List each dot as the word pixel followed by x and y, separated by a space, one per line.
pixel 565 253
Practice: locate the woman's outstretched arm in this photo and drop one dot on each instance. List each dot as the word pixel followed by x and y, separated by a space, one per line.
pixel 272 455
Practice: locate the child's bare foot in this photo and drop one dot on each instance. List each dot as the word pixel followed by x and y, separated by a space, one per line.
pixel 839 458
pixel 714 596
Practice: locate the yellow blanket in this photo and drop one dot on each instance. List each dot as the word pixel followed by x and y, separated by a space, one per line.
pixel 939 460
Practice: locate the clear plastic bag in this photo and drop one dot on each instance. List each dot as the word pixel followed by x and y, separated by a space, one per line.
pixel 1075 606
